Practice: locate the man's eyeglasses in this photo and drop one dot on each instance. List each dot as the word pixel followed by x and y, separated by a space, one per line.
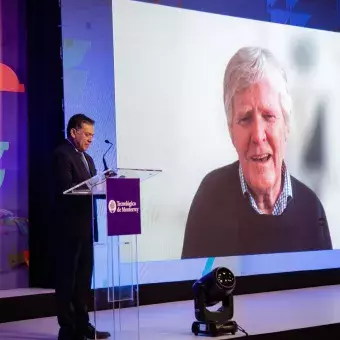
pixel 86 134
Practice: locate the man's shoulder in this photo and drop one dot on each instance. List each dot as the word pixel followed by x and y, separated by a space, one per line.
pixel 302 191
pixel 63 148
pixel 63 151
pixel 221 181
pixel 225 174
pixel 220 188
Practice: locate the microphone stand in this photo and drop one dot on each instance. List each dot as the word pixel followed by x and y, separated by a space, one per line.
pixel 104 160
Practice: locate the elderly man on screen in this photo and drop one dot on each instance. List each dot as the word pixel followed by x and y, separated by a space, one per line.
pixel 254 206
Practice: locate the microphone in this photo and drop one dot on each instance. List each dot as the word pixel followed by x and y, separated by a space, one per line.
pixel 104 160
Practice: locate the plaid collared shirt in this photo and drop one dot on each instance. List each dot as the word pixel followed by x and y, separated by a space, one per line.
pixel 283 199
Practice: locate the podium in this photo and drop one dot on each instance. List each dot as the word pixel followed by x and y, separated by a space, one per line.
pixel 116 201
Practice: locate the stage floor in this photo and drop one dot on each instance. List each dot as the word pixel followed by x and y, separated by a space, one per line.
pixel 256 313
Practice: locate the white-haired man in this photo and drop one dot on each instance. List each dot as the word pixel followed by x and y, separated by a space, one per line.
pixel 254 205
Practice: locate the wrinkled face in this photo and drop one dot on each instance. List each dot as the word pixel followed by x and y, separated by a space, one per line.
pixel 258 131
pixel 82 138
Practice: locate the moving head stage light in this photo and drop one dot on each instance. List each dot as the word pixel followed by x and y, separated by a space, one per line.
pixel 215 287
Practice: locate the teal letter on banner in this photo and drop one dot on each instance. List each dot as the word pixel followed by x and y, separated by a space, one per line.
pixel 4 146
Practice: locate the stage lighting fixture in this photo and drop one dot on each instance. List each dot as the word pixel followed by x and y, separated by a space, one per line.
pixel 217 286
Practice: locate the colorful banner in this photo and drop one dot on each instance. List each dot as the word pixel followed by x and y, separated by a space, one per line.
pixel 13 147
pixel 123 206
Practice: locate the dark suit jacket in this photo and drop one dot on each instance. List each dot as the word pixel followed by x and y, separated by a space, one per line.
pixel 73 213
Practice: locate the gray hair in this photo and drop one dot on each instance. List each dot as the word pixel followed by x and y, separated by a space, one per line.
pixel 248 66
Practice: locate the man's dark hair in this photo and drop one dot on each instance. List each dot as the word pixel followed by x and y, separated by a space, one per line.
pixel 77 121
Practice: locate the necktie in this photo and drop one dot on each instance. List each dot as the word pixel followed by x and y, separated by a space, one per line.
pixel 85 162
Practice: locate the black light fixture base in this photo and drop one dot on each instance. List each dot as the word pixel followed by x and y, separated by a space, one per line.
pixel 214 328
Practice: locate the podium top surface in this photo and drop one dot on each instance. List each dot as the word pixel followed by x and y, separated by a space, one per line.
pixel 96 185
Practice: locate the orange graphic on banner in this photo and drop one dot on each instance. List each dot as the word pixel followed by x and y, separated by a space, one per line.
pixel 9 81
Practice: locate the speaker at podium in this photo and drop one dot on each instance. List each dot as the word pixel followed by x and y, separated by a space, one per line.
pixel 120 190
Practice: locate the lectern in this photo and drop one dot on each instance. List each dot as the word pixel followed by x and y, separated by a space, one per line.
pixel 116 202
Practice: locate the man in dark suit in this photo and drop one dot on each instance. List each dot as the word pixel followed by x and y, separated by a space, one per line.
pixel 74 235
